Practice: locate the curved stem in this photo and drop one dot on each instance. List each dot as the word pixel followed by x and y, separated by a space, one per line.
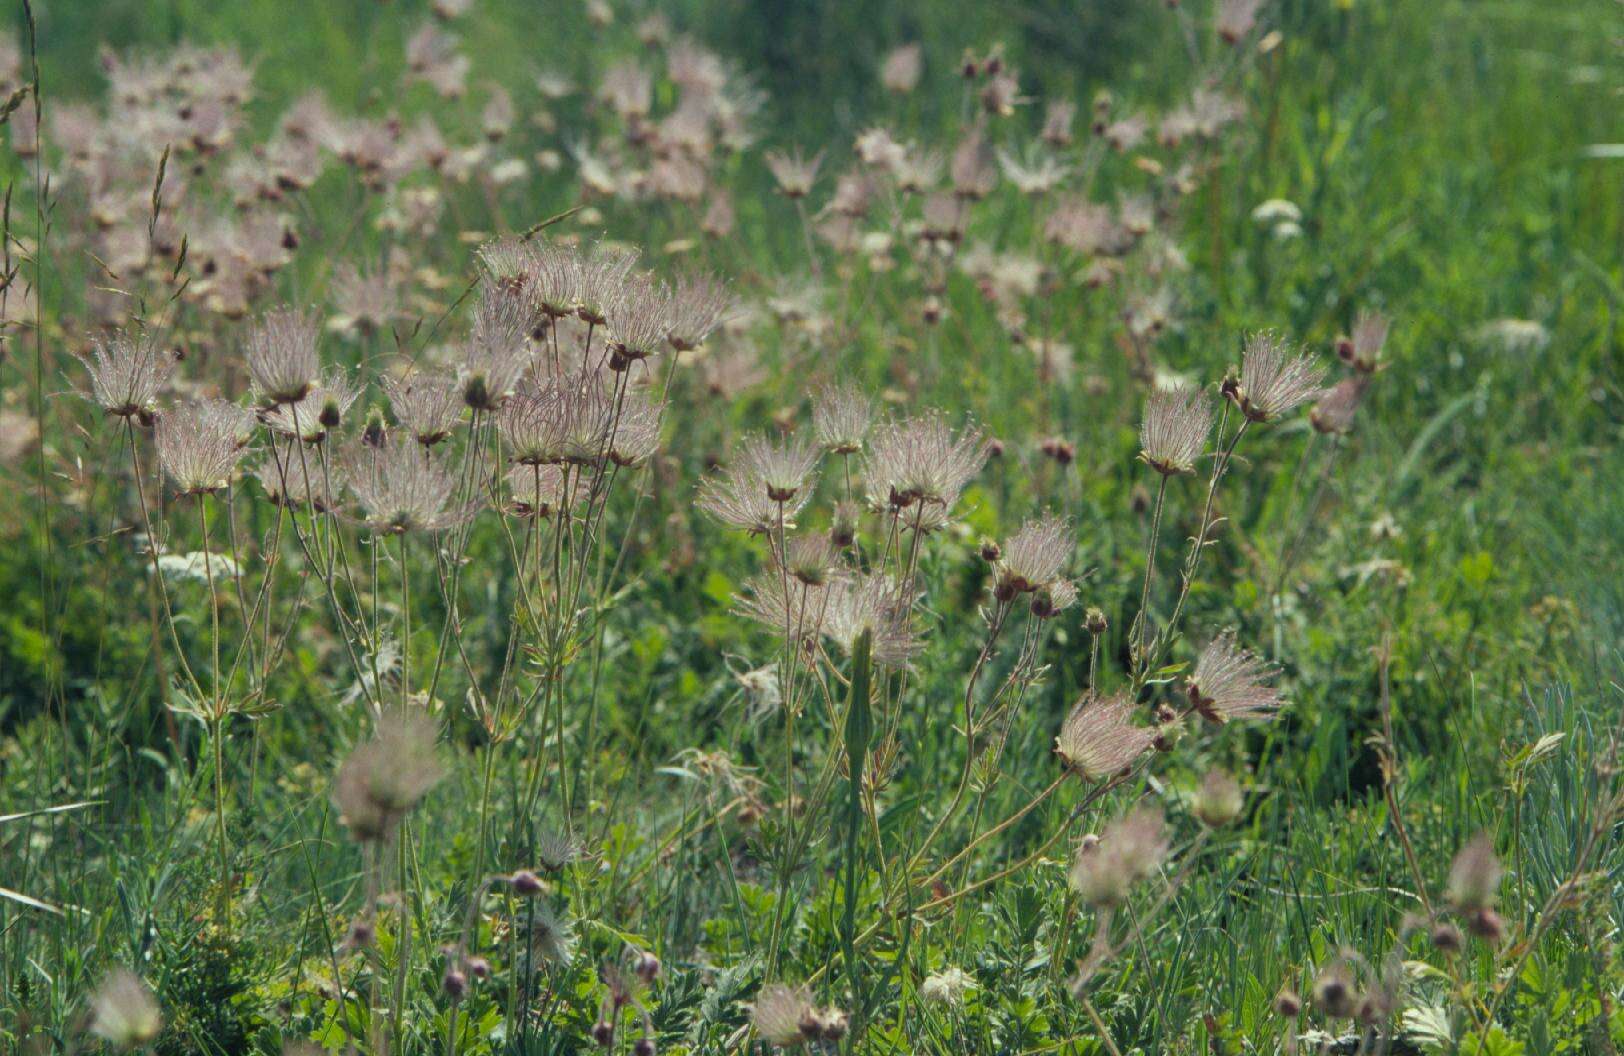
pixel 1142 621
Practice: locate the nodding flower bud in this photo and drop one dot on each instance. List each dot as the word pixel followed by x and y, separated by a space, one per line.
pixel 525 882
pixel 990 550
pixel 1287 1003
pixel 647 967
pixel 1487 925
pixel 454 983
pixel 1094 621
pixel 644 1047
pixel 932 311
pixel 479 967
pixel 1446 938
pixel 331 414
pixel 476 394
pixel 995 448
pixel 1062 451
pixel 376 431
pixel 603 1033
pixel 361 935
pixel 1166 737
pixel 1344 348
pixel 1333 992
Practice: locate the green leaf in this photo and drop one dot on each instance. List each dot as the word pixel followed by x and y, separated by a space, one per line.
pixel 859 729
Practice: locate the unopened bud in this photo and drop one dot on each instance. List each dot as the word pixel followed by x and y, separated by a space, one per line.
pixel 1487 925
pixel 1446 938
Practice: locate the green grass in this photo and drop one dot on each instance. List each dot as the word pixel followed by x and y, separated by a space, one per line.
pixel 1469 527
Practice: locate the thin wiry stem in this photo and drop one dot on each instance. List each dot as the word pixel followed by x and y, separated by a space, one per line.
pixel 1142 620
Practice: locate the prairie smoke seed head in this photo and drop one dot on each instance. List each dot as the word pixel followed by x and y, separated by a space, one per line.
pixel 1056 597
pixel 123 1011
pixel 1218 799
pixel 782 468
pixel 811 560
pixel 1474 876
pixel 1099 738
pixel 601 275
pixel 638 318
pixel 1129 851
pixel 696 306
pixel 1446 938
pixel 428 406
pixel 1274 379
pixel 535 426
pixel 636 434
pixel 785 1016
pixel 404 488
pixel 795 608
pixel 1033 556
pixel 921 460
pixel 296 482
pixel 1174 432
pixel 552 938
pixel 200 443
pixel 1334 413
pixel 843 524
pixel 1364 348
pixel 498 349
pixel 1334 990
pixel 840 418
pixel 282 359
pixel 534 490
pixel 126 371
pixel 1229 682
pixel 793 173
pixel 946 987
pixel 388 775
pixel 736 498
pixel 872 603
pixel 320 410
